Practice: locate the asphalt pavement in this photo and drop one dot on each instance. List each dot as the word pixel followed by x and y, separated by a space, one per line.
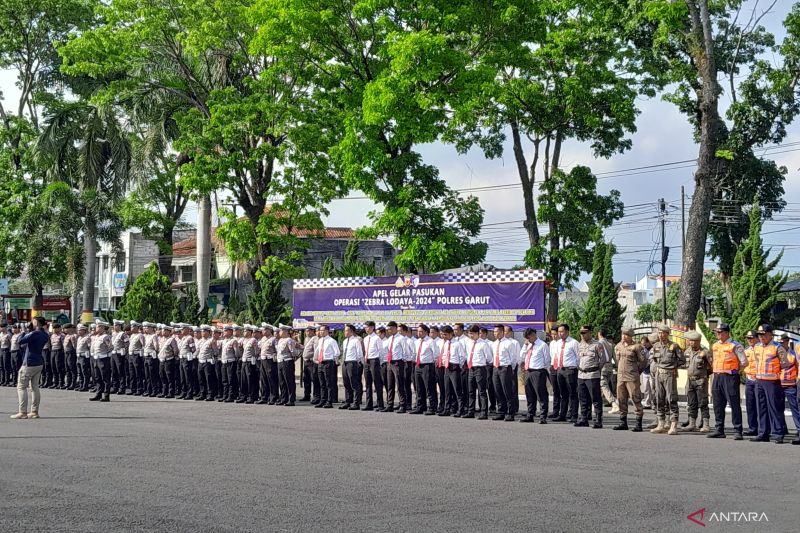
pixel 148 464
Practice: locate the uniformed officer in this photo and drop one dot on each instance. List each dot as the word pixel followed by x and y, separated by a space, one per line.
pixel 353 353
pixel 206 361
pixel 70 357
pixel 167 362
pixel 101 352
pixel 425 352
pixel 230 381
pixel 286 349
pixel 479 357
pixel 454 359
pixel 750 385
pixel 187 353
pixel 516 350
pixel 728 360
pixel 150 349
pixel 268 365
pixel 669 358
pixel 554 345
pixel 770 358
pixel 248 382
pixel 58 364
pixel 16 354
pixel 565 363
pixel 607 386
pixel 590 362
pixel 698 369
pixel 647 378
pixel 631 358
pixel 395 347
pixel 310 377
pixel 503 359
pixel 5 355
pixel 83 347
pixel 535 363
pixel 372 367
pixel 119 348
pixel 789 384
pixel 327 352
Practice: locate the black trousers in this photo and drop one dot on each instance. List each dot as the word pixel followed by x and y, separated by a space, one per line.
pixel 590 395
pixel 441 386
pixel 478 378
pixel 71 365
pixel 168 371
pixel 16 364
pixel 310 380
pixel 152 381
pixel 59 367
pixel 751 404
pixel 373 379
pixel 288 386
pixel 425 377
pixel 568 384
pixel 351 377
pixel 514 401
pixel 210 378
pixel 536 391
pixel 5 366
pixel 724 392
pixel 47 371
pixel 503 388
pixel 408 382
pixel 268 376
pixel 396 376
pixel 188 374
pixel 453 393
pixel 250 381
pixel 136 372
pixel 118 372
pixel 230 381
pixel 385 377
pixel 104 375
pixel 327 381
pixel 464 388
pixel 85 372
pixel 556 392
pixel 490 388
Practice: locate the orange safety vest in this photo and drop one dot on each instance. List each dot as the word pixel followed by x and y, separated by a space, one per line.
pixel 768 366
pixel 789 375
pixel 750 369
pixel 725 359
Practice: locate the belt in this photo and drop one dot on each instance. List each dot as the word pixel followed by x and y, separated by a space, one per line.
pixel 536 369
pixel 83 354
pixel 103 356
pixel 116 353
pixel 569 368
pixel 590 369
pixel 452 365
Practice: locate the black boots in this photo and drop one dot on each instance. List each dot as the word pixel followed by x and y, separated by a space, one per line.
pixel 623 424
pixel 638 427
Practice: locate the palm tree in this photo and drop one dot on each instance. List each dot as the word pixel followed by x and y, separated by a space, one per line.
pixel 87 155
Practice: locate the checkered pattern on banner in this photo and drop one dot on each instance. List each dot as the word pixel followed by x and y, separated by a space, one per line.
pixel 496 276
pixel 319 283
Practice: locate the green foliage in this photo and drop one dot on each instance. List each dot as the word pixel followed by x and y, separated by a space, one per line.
pixel 268 304
pixel 148 298
pixel 703 325
pixel 570 204
pixel 755 290
pixel 188 308
pixel 351 267
pixel 571 312
pixel 648 313
pixel 603 310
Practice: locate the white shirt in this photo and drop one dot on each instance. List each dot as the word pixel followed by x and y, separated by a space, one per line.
pixel 151 343
pixel 438 342
pixel 410 353
pixel 453 351
pixel 229 347
pixel 503 353
pixel 516 350
pixel 479 352
pixel 373 346
pixel 424 351
pixel 249 350
pixel 186 347
pixel 565 354
pixel 352 349
pixel 395 347
pixel 101 346
pixel 328 348
pixel 536 356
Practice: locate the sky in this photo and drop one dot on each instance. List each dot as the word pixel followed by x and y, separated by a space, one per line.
pixel 663 136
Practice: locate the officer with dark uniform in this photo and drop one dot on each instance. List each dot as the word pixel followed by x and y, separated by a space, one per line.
pixel 669 358
pixel 770 359
pixel 631 359
pixel 698 368
pixel 729 360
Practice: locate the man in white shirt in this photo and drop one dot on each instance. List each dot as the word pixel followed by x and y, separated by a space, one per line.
pixel 554 345
pixel 353 351
pixel 395 347
pixel 565 363
pixel 454 359
pixel 410 382
pixel 326 353
pixel 535 363
pixel 230 378
pixel 460 336
pixel 372 366
pixel 515 347
pixel 503 358
pixel 479 356
pixel 424 372
pixel 438 342
pixel 310 376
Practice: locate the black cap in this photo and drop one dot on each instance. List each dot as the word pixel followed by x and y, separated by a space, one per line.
pixel 785 337
pixel 751 334
pixel 765 328
pixel 586 329
pixel 722 326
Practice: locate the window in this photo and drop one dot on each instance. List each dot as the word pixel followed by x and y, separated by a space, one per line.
pixel 187 274
pixel 120 262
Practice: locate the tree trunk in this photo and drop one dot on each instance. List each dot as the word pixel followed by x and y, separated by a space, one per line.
pixel 90 272
pixel 165 254
pixel 527 177
pixel 707 167
pixel 203 249
pixel 38 299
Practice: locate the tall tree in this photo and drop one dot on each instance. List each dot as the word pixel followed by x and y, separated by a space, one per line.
pixel 388 77
pixel 149 296
pixel 695 43
pixel 603 309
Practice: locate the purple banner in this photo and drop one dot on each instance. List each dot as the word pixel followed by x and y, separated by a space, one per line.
pixel 514 297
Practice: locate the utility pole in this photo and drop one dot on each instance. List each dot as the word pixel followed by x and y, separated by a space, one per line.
pixel 662 207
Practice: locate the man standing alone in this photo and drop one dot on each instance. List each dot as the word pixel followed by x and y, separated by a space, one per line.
pixel 31 369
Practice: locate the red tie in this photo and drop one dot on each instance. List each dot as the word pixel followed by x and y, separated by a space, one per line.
pixel 528 358
pixel 561 355
pixel 497 355
pixel 469 363
pixel 419 350
pixel 447 356
pixel 391 345
pixel 366 350
pixel 321 348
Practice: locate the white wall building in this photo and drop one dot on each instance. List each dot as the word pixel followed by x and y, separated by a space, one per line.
pixel 113 270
